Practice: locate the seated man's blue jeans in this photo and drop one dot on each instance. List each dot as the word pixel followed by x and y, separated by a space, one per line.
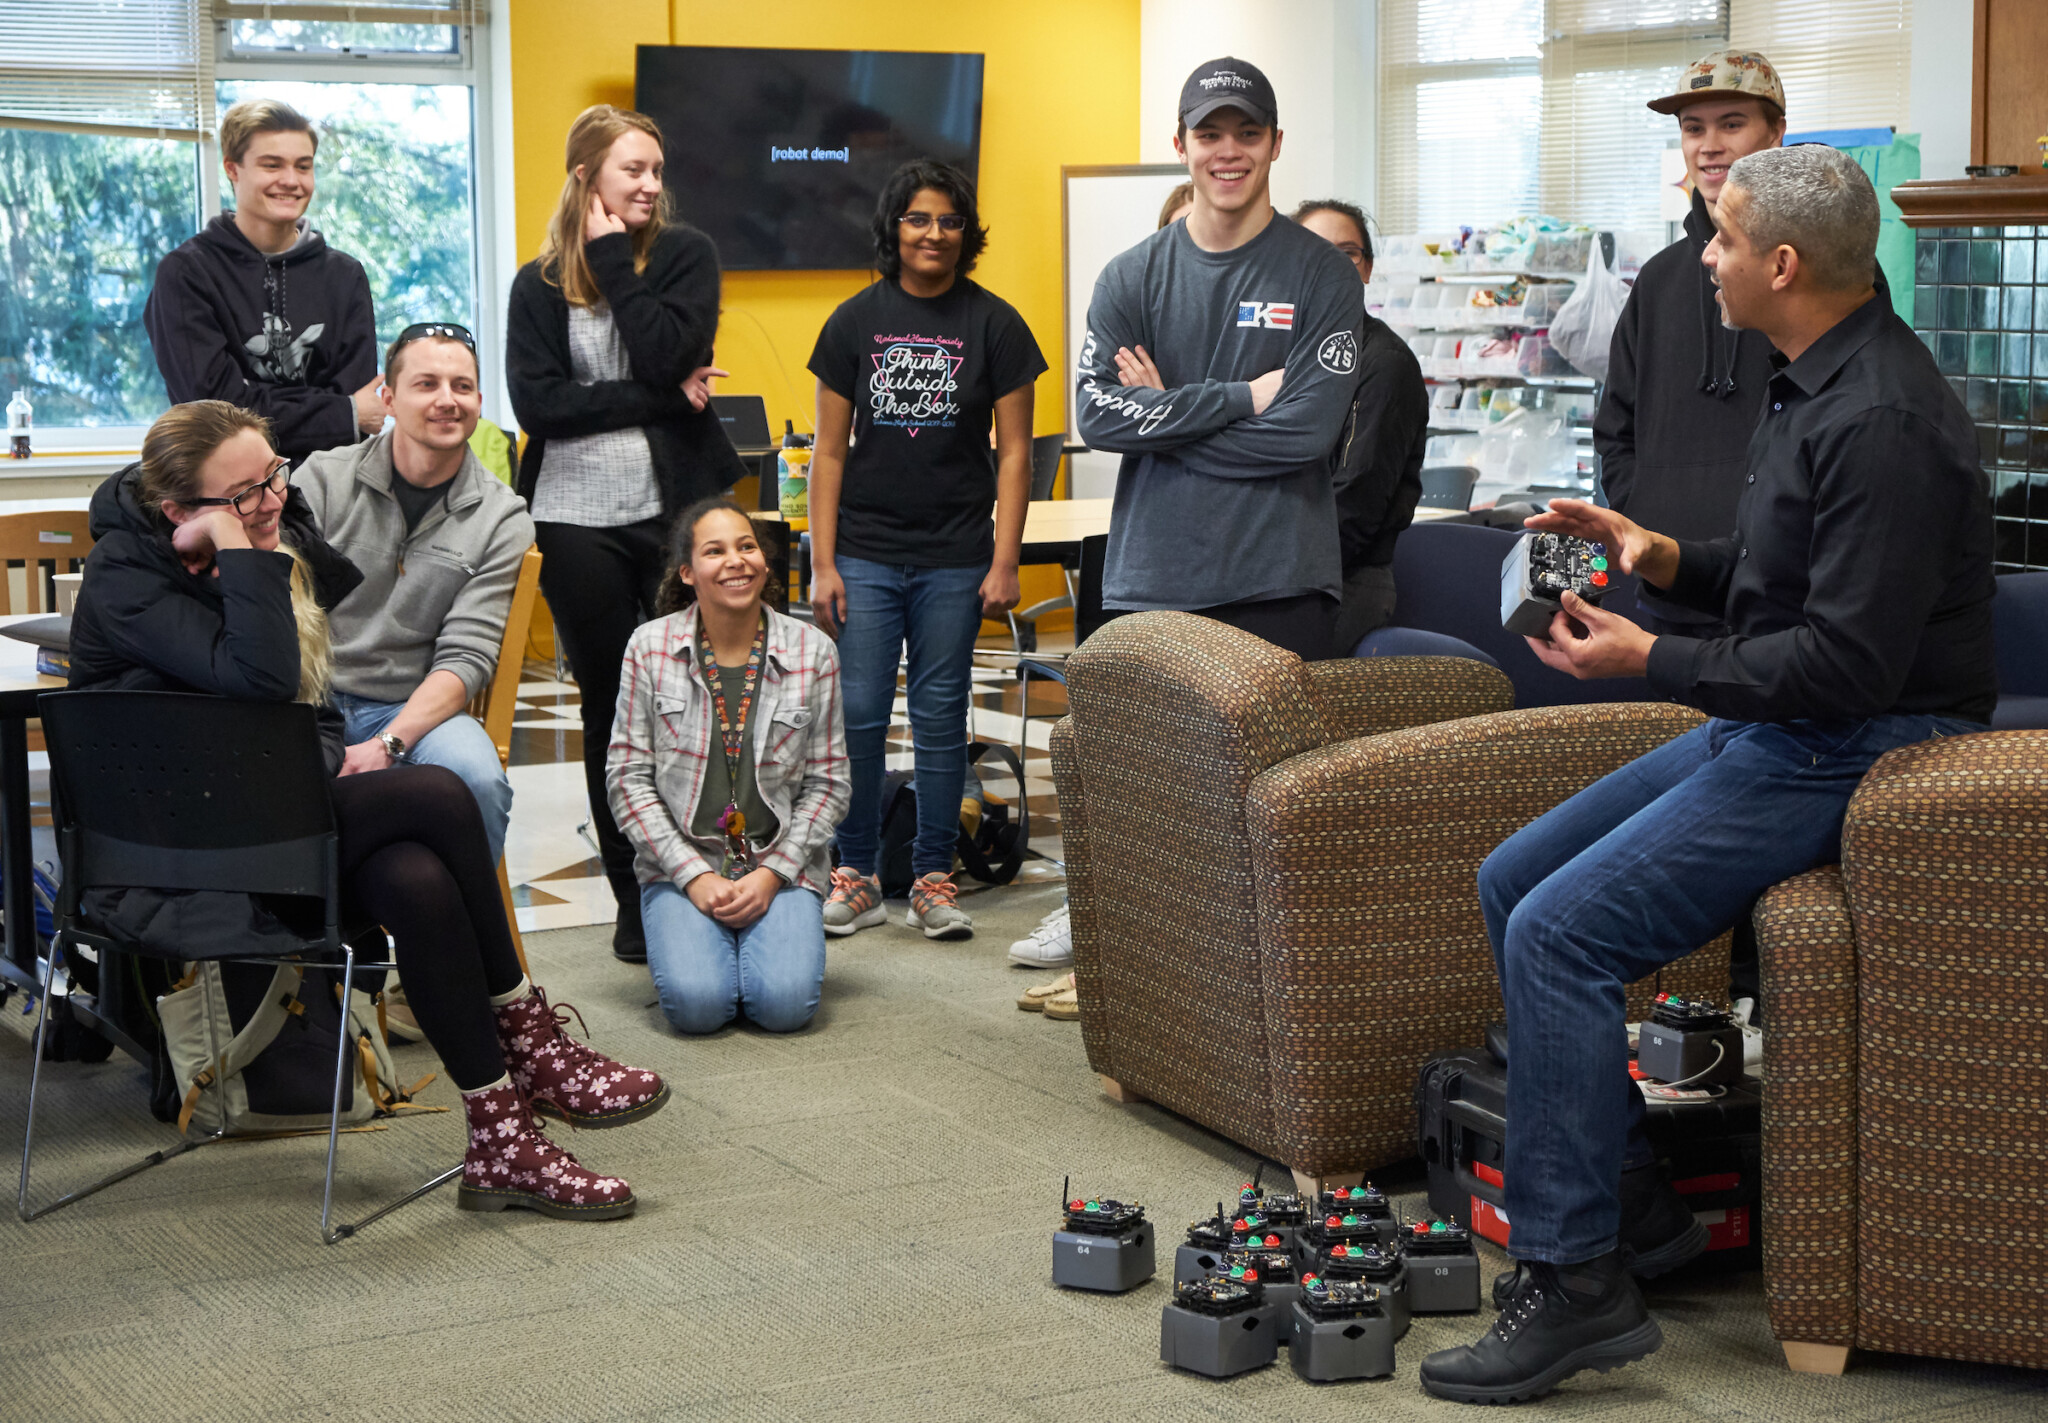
pixel 936 614
pixel 1635 872
pixel 706 974
pixel 459 743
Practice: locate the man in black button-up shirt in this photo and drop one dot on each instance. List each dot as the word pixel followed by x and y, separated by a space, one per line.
pixel 1857 586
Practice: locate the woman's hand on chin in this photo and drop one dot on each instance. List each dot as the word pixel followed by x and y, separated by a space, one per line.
pixel 203 535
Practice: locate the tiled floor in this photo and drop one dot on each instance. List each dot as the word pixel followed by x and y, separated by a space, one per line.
pixel 557 881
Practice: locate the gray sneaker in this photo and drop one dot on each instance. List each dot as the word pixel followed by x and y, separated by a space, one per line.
pixel 855 903
pixel 934 908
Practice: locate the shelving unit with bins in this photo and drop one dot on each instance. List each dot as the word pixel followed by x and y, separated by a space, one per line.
pixel 1413 300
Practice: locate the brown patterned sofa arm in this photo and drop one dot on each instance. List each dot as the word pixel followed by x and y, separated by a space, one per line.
pixel 1945 866
pixel 1374 952
pixel 1806 948
pixel 1368 696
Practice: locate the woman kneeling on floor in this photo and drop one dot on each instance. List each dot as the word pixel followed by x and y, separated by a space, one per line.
pixel 208 575
pixel 728 773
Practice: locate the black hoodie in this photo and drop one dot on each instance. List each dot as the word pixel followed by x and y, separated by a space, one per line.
pixel 1683 392
pixel 290 336
pixel 143 623
pixel 1683 396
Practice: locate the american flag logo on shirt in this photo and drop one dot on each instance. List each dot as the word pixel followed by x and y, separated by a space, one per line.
pixel 1275 315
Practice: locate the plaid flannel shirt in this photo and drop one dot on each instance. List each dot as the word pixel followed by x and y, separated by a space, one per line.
pixel 665 729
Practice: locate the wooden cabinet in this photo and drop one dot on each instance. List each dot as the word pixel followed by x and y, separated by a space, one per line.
pixel 2009 95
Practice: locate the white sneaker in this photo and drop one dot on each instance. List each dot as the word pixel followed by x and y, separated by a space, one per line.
pixel 1050 945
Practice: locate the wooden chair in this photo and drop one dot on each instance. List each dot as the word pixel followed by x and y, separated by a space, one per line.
pixel 495 704
pixel 58 537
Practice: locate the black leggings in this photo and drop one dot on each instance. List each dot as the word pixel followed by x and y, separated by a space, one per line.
pixel 600 585
pixel 414 859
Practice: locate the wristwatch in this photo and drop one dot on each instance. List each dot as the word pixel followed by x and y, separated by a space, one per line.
pixel 394 744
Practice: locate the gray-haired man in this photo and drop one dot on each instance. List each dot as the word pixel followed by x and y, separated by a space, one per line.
pixel 1858 588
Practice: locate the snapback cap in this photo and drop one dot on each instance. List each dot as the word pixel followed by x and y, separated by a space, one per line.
pixel 1724 74
pixel 1227 84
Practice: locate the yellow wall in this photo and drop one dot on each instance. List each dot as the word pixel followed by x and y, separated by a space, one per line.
pixel 1060 87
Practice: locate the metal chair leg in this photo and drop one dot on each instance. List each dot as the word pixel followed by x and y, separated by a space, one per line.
pixel 28 1131
pixel 329 1232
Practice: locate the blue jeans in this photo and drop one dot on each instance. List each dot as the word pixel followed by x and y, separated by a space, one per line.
pixel 937 612
pixel 459 743
pixel 707 974
pixel 1632 873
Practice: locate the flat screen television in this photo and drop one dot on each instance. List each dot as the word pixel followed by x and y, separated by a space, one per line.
pixel 779 154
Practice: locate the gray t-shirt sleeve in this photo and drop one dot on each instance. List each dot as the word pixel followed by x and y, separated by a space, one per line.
pixel 1129 420
pixel 1306 418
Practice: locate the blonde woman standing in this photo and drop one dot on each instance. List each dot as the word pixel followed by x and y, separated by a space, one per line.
pixel 608 362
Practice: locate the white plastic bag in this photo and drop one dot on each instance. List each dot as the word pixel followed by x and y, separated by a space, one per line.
pixel 1583 328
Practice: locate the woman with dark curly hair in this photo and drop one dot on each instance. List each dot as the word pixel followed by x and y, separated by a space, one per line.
pixel 903 551
pixel 727 773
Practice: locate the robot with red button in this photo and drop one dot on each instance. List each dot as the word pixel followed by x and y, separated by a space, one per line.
pixel 1218 1326
pixel 1443 1268
pixel 1539 570
pixel 1104 1245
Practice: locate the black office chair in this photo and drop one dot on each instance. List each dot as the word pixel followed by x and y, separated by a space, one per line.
pixel 174 791
pixel 1448 486
pixel 1045 469
pixel 1088 616
pixel 1045 463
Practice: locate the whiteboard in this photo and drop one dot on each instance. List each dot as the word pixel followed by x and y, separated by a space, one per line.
pixel 1103 211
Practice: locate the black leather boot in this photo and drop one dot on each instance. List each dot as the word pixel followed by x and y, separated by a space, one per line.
pixel 1658 1232
pixel 629 937
pixel 1566 1319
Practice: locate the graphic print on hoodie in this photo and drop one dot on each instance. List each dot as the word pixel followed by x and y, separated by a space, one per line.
pixel 290 335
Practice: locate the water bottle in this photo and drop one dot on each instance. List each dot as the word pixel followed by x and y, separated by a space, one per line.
pixel 21 418
pixel 793 473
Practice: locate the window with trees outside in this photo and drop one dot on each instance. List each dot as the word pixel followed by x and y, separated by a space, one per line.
pixel 96 186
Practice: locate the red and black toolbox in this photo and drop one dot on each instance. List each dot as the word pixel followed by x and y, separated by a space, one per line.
pixel 1711 1148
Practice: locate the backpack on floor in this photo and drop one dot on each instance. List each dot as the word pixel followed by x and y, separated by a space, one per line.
pixel 990 847
pixel 253 1052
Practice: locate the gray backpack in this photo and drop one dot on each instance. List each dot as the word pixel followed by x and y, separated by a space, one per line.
pixel 275 1072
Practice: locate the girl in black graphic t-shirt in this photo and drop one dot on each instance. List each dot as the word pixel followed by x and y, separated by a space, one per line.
pixel 903 551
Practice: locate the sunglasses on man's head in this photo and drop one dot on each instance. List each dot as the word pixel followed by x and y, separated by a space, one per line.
pixel 435 330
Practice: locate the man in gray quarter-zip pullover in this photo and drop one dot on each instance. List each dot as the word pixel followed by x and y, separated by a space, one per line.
pixel 1220 361
pixel 439 542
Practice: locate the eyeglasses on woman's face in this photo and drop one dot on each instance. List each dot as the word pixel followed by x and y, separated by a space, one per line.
pixel 251 499
pixel 947 221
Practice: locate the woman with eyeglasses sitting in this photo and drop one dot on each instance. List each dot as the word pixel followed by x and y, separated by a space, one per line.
pixel 903 551
pixel 208 575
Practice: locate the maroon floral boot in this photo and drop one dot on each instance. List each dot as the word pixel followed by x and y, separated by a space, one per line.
pixel 569 1079
pixel 511 1165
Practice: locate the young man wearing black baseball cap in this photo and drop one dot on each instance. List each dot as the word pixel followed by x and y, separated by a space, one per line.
pixel 1220 361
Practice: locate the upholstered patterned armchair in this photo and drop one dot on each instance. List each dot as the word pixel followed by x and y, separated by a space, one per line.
pixel 1905 1146
pixel 1271 867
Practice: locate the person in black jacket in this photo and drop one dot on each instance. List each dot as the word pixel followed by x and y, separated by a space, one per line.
pixel 208 576
pixel 1683 390
pixel 1379 462
pixel 258 310
pixel 1857 579
pixel 608 361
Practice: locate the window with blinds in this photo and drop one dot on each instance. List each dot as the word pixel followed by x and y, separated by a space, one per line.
pixel 1844 63
pixel 119 67
pixel 1491 109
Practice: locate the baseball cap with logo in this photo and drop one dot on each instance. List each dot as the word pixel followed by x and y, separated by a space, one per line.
pixel 1227 84
pixel 1725 74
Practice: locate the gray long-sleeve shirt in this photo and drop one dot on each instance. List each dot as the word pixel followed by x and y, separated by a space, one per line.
pixel 1215 504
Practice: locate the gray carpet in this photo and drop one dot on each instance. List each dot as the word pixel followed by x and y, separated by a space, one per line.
pixel 851 1223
